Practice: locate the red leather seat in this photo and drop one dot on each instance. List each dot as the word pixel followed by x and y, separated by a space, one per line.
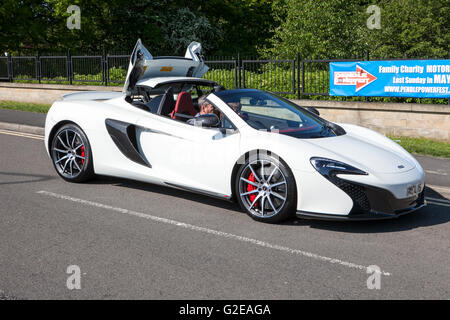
pixel 184 106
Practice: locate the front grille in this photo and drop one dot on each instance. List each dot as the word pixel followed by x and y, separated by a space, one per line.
pixel 373 199
pixel 356 192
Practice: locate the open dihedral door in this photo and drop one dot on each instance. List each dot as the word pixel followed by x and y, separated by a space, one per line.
pixel 144 66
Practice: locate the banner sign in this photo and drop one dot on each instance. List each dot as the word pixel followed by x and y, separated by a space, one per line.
pixel 397 78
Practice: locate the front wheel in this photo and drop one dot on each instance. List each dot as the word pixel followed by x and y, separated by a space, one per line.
pixel 71 154
pixel 265 189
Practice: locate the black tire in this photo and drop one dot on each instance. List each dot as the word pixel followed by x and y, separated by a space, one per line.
pixel 271 195
pixel 71 154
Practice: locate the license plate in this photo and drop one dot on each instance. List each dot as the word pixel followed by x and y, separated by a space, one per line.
pixel 414 189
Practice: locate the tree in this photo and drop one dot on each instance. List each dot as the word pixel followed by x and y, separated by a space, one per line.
pixel 411 29
pixel 182 27
pixel 223 27
pixel 25 25
pixel 315 29
pixel 338 29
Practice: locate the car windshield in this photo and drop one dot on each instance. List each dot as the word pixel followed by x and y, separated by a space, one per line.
pixel 266 111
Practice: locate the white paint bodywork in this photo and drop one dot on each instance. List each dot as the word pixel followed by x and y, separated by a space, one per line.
pixel 91 95
pixel 203 159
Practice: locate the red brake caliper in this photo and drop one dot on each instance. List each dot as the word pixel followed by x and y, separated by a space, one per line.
pixel 82 154
pixel 251 188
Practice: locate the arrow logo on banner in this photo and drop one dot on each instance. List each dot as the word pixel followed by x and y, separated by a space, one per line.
pixel 360 78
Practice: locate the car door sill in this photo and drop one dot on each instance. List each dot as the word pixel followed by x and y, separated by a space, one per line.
pixel 200 191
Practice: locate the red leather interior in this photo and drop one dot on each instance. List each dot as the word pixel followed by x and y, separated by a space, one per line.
pixel 184 105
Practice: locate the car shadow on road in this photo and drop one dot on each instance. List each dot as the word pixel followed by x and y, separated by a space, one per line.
pixel 34 178
pixel 168 191
pixel 425 217
pixel 433 214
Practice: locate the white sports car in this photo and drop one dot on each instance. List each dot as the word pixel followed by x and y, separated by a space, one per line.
pixel 274 158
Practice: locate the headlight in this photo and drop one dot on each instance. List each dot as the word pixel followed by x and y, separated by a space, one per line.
pixel 328 167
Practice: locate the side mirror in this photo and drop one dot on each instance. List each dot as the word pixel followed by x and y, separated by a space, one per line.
pixel 209 120
pixel 313 110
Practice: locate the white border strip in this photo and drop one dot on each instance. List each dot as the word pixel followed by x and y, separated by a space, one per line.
pixel 436 172
pixel 211 231
pixel 438 200
pixel 22 134
pixel 436 203
pixel 22 128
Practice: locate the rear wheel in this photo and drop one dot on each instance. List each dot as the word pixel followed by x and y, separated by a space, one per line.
pixel 71 154
pixel 265 189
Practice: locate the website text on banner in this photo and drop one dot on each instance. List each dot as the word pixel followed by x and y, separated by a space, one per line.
pixel 401 78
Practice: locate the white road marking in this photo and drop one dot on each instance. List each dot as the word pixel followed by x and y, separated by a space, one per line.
pixel 438 203
pixel 210 231
pixel 438 200
pixel 21 134
pixel 436 172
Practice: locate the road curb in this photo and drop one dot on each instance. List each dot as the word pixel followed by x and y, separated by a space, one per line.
pixel 22 128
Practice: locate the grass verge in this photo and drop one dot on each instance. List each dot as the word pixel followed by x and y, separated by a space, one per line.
pixel 424 146
pixel 24 106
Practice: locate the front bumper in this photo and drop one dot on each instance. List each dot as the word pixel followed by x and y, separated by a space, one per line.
pixel 370 203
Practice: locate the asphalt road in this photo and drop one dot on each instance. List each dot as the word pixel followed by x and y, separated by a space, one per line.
pixel 140 241
pixel 23 117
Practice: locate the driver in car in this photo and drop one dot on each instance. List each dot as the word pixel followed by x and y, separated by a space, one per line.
pixel 205 106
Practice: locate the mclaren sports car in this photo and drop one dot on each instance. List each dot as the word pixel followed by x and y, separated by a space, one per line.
pixel 273 157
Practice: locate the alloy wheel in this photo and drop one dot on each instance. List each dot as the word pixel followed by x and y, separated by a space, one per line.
pixel 263 188
pixel 68 153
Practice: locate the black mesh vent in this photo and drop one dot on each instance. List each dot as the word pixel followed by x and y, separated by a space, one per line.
pixel 356 192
